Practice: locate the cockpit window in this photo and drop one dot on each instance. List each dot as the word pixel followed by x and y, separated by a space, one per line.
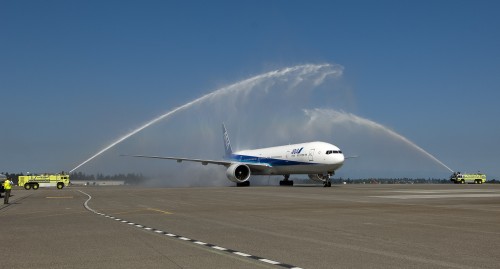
pixel 333 151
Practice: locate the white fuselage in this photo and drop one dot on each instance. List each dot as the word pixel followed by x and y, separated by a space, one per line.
pixel 304 158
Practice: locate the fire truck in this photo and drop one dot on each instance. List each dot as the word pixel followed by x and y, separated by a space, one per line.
pixel 44 180
pixel 2 179
pixel 477 178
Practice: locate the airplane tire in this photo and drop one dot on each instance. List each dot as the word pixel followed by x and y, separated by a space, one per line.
pixel 243 184
pixel 286 182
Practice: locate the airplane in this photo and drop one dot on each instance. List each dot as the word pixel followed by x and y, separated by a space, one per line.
pixel 318 160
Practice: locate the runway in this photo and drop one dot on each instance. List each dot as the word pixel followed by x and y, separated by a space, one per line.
pixel 346 226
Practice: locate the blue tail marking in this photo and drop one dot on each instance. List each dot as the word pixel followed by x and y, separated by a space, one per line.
pixel 227 143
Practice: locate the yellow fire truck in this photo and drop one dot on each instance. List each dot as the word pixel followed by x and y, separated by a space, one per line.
pixel 477 178
pixel 45 180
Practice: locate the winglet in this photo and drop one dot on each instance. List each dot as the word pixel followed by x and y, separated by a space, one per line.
pixel 227 143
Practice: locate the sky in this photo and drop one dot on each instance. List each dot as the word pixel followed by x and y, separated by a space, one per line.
pixel 75 76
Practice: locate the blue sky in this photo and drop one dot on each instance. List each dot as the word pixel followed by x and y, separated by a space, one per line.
pixel 76 75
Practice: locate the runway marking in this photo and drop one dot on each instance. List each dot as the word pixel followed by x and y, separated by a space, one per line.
pixel 269 261
pixel 185 239
pixel 158 210
pixel 446 191
pixel 147 209
pixel 242 254
pixel 439 196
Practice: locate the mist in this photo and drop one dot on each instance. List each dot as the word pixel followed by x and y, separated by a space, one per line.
pixel 291 105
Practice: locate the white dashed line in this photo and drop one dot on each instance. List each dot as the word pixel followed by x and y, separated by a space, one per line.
pixel 269 261
pixel 242 254
pixel 188 239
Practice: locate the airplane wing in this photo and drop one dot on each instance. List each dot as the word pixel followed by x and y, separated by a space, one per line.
pixel 257 167
pixel 204 162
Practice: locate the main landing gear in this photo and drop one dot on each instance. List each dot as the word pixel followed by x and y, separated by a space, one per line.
pixel 286 181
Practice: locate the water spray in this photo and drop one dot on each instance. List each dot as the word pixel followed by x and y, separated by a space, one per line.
pixel 292 77
pixel 300 73
pixel 340 116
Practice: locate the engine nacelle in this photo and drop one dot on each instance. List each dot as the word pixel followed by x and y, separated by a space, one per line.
pixel 238 172
pixel 318 177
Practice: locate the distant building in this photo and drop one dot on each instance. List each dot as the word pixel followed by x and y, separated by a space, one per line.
pixel 98 182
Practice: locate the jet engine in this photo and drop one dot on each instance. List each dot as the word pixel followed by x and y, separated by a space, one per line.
pixel 318 177
pixel 238 172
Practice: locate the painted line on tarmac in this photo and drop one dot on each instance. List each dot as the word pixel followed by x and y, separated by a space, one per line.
pixel 158 210
pixel 186 239
pixel 440 196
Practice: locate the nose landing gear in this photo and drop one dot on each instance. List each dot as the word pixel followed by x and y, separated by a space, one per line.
pixel 328 182
pixel 286 181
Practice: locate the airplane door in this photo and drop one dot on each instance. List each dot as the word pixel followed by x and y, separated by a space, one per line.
pixel 311 155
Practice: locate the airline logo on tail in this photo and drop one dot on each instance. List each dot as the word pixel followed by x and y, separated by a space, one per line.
pixel 227 143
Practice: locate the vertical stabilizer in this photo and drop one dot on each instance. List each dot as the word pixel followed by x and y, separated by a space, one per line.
pixel 227 143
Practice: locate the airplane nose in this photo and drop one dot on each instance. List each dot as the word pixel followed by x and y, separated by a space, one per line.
pixel 338 158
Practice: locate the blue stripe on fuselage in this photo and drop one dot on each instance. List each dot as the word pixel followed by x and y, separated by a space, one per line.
pixel 269 161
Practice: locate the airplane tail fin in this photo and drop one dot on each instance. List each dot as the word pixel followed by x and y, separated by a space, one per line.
pixel 227 143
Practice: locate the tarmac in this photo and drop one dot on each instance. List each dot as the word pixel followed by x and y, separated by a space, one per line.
pixel 345 226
